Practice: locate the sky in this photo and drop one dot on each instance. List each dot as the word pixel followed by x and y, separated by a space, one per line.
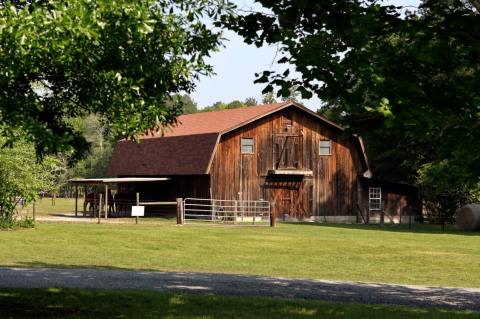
pixel 235 66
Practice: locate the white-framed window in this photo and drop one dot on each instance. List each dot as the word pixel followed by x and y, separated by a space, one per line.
pixel 325 147
pixel 247 145
pixel 375 198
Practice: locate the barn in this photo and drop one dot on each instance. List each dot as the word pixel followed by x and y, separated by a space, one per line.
pixel 306 166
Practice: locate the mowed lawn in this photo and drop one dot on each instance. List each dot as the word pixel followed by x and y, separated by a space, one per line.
pixel 339 252
pixel 79 303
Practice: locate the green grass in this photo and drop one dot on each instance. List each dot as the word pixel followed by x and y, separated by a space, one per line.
pixel 62 206
pixel 81 303
pixel 341 252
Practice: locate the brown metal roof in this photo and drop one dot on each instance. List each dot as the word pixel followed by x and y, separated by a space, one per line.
pixel 188 147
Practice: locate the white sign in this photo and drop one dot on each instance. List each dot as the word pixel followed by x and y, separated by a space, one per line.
pixel 138 211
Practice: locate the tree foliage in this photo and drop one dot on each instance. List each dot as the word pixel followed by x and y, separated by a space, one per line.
pixel 183 102
pixel 119 59
pixel 23 177
pixel 408 82
pixel 97 158
pixel 235 104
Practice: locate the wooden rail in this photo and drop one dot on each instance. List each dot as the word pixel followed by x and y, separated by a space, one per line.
pixel 157 203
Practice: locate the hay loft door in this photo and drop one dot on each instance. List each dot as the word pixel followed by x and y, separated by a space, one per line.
pixel 287 151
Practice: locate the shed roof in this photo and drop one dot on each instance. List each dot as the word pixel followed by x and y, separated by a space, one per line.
pixel 114 180
pixel 188 147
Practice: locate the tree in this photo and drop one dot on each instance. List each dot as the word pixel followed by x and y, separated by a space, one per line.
pixel 268 98
pixel 183 102
pixel 23 177
pixel 408 83
pixel 95 162
pixel 250 101
pixel 235 104
pixel 60 60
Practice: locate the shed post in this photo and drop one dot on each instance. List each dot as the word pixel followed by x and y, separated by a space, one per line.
pixel 106 201
pixel 84 200
pixel 99 207
pixel 76 200
pixel 180 220
pixel 138 204
pixel 94 202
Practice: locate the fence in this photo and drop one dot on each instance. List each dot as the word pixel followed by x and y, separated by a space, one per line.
pixel 230 212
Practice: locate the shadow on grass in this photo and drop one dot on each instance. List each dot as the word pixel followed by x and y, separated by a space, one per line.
pixel 398 228
pixel 84 303
pixel 43 275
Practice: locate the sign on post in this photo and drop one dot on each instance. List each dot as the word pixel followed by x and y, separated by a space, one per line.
pixel 138 211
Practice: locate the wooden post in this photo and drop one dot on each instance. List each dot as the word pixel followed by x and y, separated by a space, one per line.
pixel 76 200
pixel 33 211
pixel 180 220
pixel 106 201
pixel 138 204
pixel 272 219
pixel 94 202
pixel 84 200
pixel 99 207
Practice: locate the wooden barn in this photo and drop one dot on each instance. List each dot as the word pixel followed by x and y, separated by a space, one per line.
pixel 302 163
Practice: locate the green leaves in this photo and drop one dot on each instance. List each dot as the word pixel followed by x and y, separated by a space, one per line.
pixel 119 59
pixel 22 177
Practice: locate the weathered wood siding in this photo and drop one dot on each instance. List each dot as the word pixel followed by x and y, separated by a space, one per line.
pixel 398 201
pixel 331 191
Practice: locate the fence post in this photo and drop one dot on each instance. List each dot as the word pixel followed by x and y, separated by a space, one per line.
pixel 180 220
pixel 33 211
pixel 272 219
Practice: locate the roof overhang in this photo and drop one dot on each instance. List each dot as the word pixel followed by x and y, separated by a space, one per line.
pixel 103 181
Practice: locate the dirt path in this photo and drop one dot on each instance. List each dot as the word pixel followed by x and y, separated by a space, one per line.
pixel 225 284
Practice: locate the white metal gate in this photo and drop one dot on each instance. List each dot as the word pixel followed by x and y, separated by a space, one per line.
pixel 221 211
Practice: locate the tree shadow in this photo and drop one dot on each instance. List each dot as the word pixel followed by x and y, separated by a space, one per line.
pixel 81 303
pixel 44 276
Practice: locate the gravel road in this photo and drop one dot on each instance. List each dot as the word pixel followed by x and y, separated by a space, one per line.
pixel 238 285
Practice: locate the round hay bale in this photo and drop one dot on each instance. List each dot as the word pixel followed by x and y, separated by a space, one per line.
pixel 468 217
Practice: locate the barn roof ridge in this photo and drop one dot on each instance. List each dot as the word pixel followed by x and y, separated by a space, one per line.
pixel 224 121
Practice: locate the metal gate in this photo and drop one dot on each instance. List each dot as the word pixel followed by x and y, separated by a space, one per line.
pixel 230 212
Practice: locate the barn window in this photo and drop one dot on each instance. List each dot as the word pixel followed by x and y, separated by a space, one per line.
pixel 375 198
pixel 247 146
pixel 325 147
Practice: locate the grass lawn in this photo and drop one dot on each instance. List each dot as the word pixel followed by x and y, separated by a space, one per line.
pixel 80 303
pixel 339 252
pixel 62 206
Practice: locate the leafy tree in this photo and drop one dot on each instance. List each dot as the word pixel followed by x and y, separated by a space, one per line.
pixel 183 102
pixel 23 177
pixel 269 98
pixel 95 162
pixel 235 104
pixel 119 59
pixel 408 83
pixel 250 101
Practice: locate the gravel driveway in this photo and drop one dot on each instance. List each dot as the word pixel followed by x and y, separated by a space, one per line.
pixel 237 285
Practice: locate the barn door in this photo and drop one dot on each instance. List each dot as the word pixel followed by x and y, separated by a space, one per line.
pixel 288 197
